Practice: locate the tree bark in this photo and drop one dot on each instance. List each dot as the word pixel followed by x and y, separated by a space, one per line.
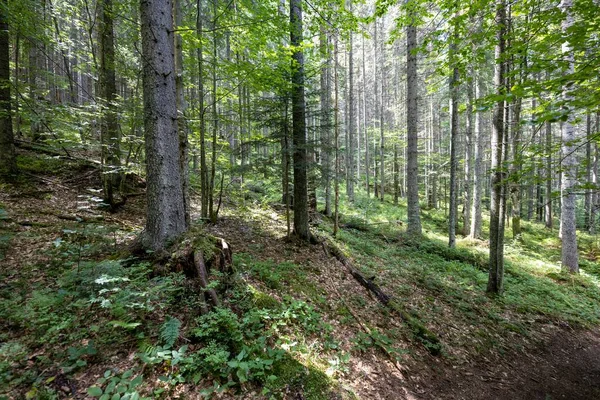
pixel 570 261
pixel 496 272
pixel 109 128
pixel 412 170
pixel 8 161
pixel 453 88
pixel 165 209
pixel 299 124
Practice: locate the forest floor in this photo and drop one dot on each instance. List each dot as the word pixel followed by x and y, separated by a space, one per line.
pixel 320 336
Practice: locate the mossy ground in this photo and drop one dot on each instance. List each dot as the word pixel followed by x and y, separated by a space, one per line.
pixel 71 310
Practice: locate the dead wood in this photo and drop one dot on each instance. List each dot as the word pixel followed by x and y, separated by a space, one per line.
pixel 427 338
pixel 203 277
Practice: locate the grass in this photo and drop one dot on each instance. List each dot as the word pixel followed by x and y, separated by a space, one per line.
pixel 286 327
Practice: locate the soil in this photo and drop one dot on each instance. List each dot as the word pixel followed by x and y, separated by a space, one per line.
pixel 564 364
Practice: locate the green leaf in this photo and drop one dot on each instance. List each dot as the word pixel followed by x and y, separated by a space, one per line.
pixel 105 396
pixel 116 396
pixel 136 381
pixel 94 391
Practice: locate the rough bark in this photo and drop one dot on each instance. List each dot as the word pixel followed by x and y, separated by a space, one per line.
pixel 412 169
pixel 165 208
pixel 350 151
pixel 8 163
pixel 496 271
pixel 299 124
pixel 453 88
pixel 181 107
pixel 570 261
pixel 109 128
pixel 478 177
pixel 549 200
pixel 325 102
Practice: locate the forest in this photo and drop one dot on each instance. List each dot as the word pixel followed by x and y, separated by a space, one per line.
pixel 299 199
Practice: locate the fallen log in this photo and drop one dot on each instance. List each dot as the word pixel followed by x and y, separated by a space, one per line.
pixel 427 338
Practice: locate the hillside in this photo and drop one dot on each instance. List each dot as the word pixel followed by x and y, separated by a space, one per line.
pixel 81 317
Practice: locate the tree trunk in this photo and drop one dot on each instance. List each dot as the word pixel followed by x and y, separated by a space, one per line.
pixel 351 119
pixel 325 101
pixel 453 142
pixel 412 115
pixel 109 128
pixel 478 176
pixel 469 146
pixel 570 260
pixel 549 200
pixel 202 112
pixel 8 162
pixel 299 124
pixel 165 209
pixel 181 106
pixel 496 272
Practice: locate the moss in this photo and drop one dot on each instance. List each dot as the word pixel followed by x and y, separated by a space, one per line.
pixel 307 381
pixel 263 300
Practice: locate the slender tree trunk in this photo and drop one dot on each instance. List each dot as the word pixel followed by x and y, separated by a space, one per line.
pixel 549 200
pixel 496 270
pixel 351 118
pixel 469 150
pixel 325 95
pixel 595 195
pixel 569 252
pixel 453 142
pixel 202 112
pixel 478 176
pixel 412 115
pixel 588 172
pixel 109 129
pixel 365 116
pixel 215 115
pixel 299 124
pixel 181 107
pixel 166 213
pixel 381 116
pixel 8 162
pixel 396 175
pixel 336 127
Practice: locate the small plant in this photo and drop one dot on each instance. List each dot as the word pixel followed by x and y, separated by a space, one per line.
pixel 117 387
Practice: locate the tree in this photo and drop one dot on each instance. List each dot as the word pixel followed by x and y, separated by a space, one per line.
pixel 166 210
pixel 299 124
pixel 412 170
pixel 570 260
pixel 109 128
pixel 8 163
pixel 453 88
pixel 498 200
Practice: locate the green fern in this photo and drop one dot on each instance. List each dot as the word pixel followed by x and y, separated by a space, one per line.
pixel 169 331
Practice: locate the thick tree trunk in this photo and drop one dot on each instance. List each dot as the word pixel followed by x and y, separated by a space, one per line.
pixel 570 261
pixel 412 115
pixel 299 124
pixel 166 211
pixel 8 163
